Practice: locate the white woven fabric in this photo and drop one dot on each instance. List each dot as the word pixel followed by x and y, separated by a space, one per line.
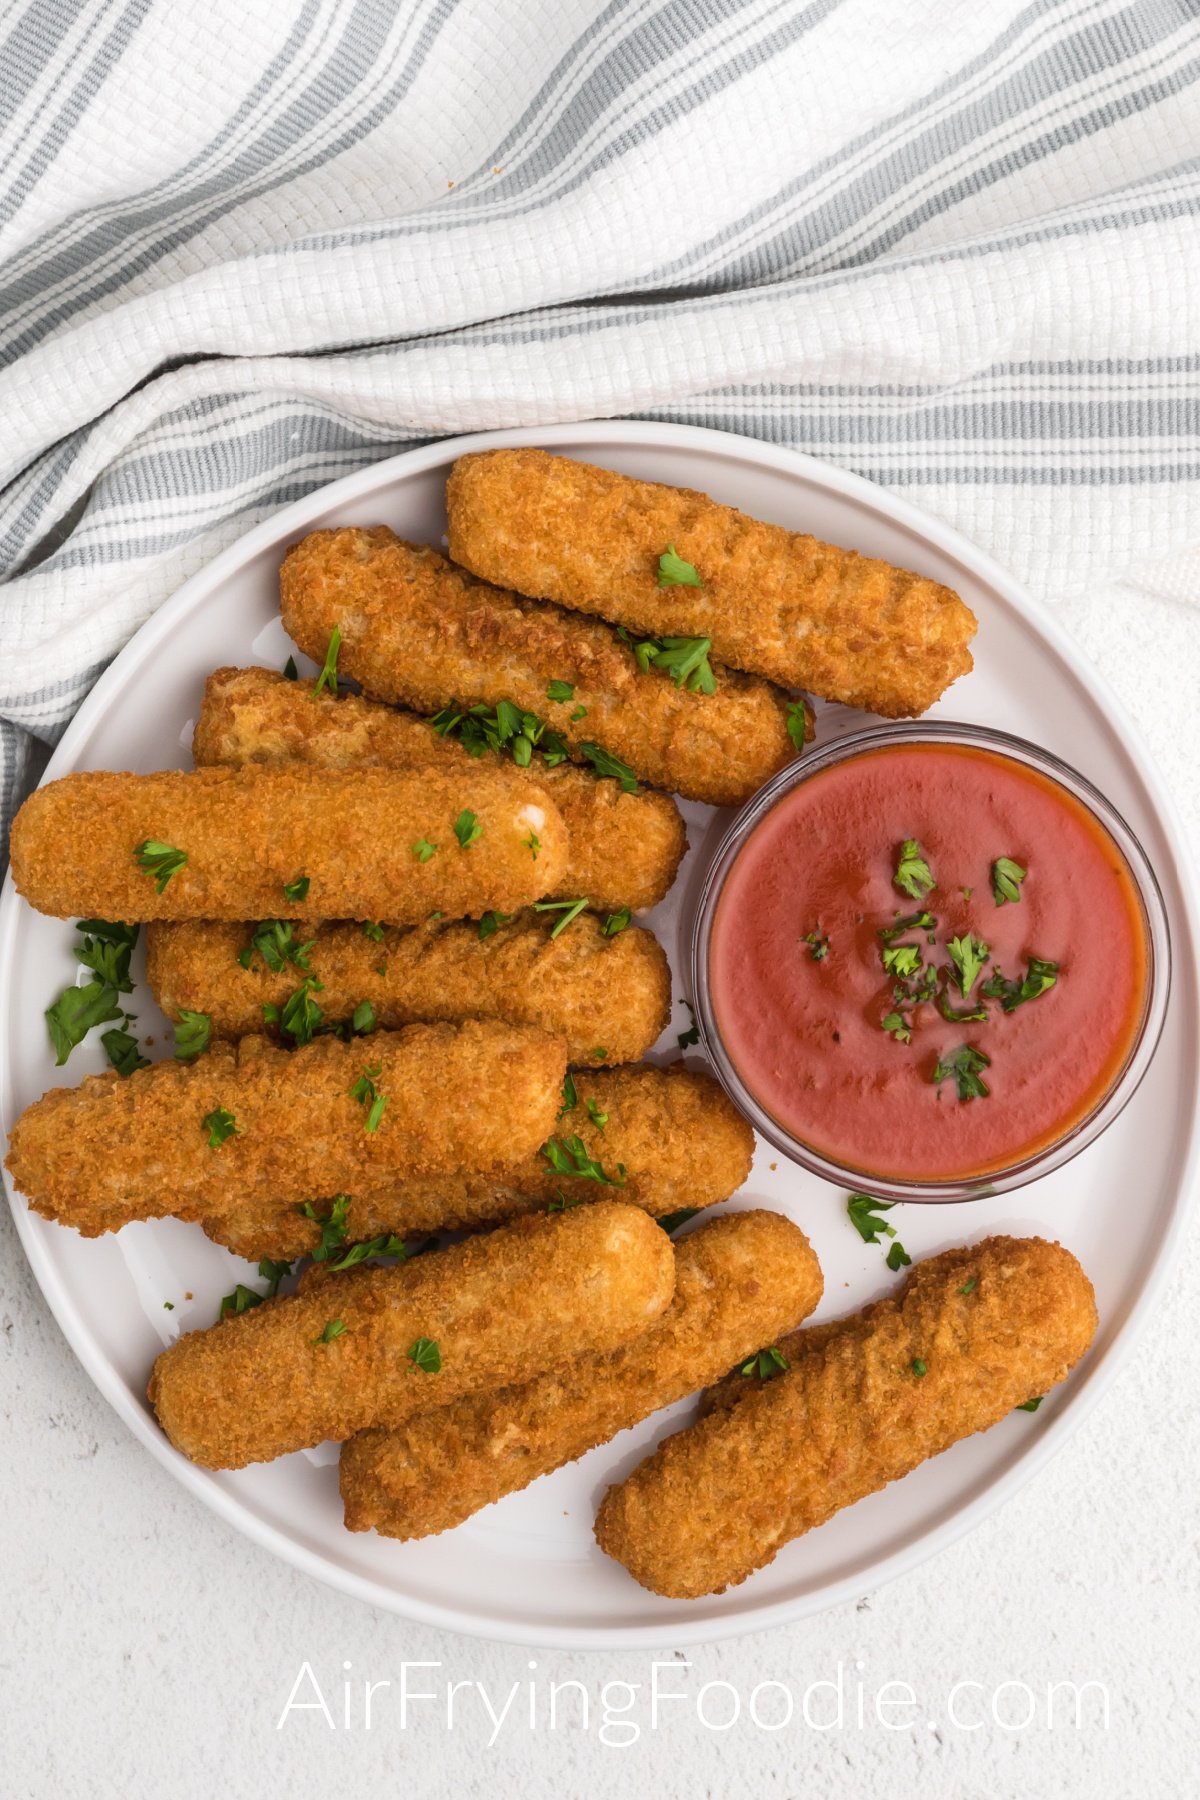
pixel 248 245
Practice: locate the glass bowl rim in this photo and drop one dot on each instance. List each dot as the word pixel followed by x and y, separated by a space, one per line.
pixel 1085 1131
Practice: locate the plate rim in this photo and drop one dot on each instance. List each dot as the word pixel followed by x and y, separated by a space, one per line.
pixel 619 433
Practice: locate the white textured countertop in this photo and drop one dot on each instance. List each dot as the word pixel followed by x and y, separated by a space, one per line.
pixel 150 1650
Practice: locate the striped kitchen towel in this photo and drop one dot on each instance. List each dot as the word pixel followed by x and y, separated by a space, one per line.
pixel 249 245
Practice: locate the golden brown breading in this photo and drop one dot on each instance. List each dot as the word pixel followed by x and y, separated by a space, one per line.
pixel 591 989
pixel 682 1141
pixel 121 1148
pixel 739 1282
pixel 972 1334
pixel 532 1295
pixel 806 614
pixel 247 833
pixel 624 849
pixel 419 631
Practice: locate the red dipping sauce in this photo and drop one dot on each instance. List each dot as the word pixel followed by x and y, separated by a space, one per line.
pixel 805 1031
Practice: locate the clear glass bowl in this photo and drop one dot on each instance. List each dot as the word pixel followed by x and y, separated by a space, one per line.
pixel 1158 964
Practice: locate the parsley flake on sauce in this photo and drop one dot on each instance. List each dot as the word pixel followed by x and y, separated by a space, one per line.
pixel 160 860
pixel 912 875
pixel 964 1065
pixel 968 954
pixel 675 571
pixel 1040 976
pixel 897 1026
pixel 1007 877
pixel 818 946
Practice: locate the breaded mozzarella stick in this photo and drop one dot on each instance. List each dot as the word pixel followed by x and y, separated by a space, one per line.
pixel 624 849
pixel 972 1334
pixel 803 613
pixel 251 1123
pixel 591 989
pixel 373 1345
pixel 418 631
pixel 739 1282
pixel 289 842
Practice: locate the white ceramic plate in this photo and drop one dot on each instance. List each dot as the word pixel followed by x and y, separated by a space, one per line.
pixel 527 1570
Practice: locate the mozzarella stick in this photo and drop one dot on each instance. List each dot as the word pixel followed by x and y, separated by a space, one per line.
pixel 680 1141
pixel 623 849
pixel 739 1281
pixel 972 1334
pixel 417 630
pixel 806 614
pixel 287 843
pixel 374 1345
pixel 251 1123
pixel 581 985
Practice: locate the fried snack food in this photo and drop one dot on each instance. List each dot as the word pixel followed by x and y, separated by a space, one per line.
pixel 808 615
pixel 739 1281
pixel 972 1334
pixel 350 844
pixel 581 985
pixel 251 1123
pixel 681 1141
pixel 373 1345
pixel 416 630
pixel 624 849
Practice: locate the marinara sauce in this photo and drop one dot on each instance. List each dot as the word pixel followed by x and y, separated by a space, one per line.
pixel 800 993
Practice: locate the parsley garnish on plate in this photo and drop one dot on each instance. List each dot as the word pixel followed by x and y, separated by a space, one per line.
pixel 569 1156
pixel 75 1012
pixel 366 1092
pixel 766 1363
pixel 333 1228
pixel 605 763
pixel 219 1124
pixel 122 1051
pixel 686 1039
pixel 797 723
pixel 968 954
pixel 276 942
pixel 106 949
pixel 672 1221
pixel 426 1356
pixel 467 829
pixel 964 1065
pixel 160 860
pixel 422 850
pixel 616 922
pixel 570 910
pixel 560 690
pixel 1031 1405
pixel 290 671
pixel 328 678
pixel 1007 877
pixel 334 1329
pixel 862 1210
pixel 192 1032
pixel 240 1301
pixel 913 875
pixel 675 571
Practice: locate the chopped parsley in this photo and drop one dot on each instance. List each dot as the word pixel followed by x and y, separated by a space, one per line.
pixel 861 1209
pixel 75 1012
pixel 960 1015
pixel 968 1287
pixel 599 1054
pixel 579 713
pixel 968 954
pixel 219 1124
pixel 467 829
pixel 122 1051
pixel 686 1039
pixel 276 942
pixel 192 1032
pixel 918 921
pixel 818 946
pixel 332 1228
pixel 570 1095
pixel 296 891
pixel 160 860
pixel 386 1244
pixel 241 1300
pixel 912 875
pixel 334 1329
pixel 918 1367
pixel 605 763
pixel 106 950
pixel 273 1273
pixel 684 659
pixel 422 850
pixel 373 931
pixel 964 1065
pixel 675 571
pixel 491 923
pixel 897 1256
pixel 598 1119
pixel 362 1019
pixel 1031 1405
pixel 367 1094
pixel 328 678
pixel 901 960
pixel 570 910
pixel 1040 976
pixel 797 723
pixel 426 1356
pixel 766 1363
pixel 1007 877
pixel 300 1016
pixel 560 690
pixel 898 1026
pixel 290 671
pixel 533 844
pixel 616 922
pixel 569 1156
pixel 672 1221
